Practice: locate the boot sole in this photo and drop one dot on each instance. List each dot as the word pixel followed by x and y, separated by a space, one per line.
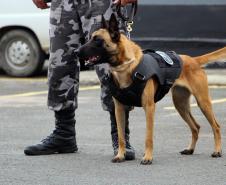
pixel 129 155
pixel 49 152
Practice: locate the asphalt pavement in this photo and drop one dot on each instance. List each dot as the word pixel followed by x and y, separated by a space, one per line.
pixel 25 120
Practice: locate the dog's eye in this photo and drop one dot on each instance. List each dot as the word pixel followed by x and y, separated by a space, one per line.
pixel 95 38
pixel 98 40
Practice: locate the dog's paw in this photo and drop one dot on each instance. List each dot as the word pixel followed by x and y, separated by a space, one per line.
pixel 216 154
pixel 146 162
pixel 117 159
pixel 187 152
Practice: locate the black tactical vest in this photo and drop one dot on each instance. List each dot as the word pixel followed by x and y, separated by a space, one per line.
pixel 165 67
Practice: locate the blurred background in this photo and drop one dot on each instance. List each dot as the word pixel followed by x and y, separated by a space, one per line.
pixel 189 27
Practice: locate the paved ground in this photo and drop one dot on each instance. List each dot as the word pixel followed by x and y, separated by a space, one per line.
pixel 25 120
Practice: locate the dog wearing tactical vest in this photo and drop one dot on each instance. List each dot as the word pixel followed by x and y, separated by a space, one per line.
pixel 108 45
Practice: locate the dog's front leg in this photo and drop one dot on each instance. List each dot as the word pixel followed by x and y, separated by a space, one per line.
pixel 120 119
pixel 148 155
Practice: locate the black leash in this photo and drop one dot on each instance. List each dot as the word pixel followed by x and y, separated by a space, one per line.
pixel 128 18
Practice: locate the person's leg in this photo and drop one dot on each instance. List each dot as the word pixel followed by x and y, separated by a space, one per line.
pixel 63 79
pixel 92 21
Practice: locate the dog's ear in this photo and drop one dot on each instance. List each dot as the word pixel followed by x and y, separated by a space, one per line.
pixel 114 28
pixel 103 23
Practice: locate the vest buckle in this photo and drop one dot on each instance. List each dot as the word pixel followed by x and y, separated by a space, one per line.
pixel 139 76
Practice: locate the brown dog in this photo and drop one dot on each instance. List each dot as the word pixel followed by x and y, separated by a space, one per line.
pixel 108 45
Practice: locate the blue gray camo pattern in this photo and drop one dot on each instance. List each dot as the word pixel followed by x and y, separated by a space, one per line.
pixel 71 24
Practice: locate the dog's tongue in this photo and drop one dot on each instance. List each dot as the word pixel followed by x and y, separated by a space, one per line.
pixel 91 60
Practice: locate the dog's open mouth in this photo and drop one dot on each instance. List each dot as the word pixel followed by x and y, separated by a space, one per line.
pixel 92 60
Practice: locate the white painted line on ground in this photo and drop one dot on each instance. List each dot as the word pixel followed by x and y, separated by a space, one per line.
pixel 98 87
pixel 217 87
pixel 32 79
pixel 223 100
pixel 44 92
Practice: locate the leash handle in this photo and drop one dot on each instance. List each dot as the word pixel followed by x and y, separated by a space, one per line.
pixel 133 11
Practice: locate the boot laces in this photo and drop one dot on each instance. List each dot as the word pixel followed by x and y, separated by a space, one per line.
pixel 49 139
pixel 115 141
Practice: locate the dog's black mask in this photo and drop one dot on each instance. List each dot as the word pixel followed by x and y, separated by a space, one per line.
pixel 96 50
pixel 93 52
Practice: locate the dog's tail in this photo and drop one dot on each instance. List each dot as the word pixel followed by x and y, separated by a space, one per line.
pixel 219 55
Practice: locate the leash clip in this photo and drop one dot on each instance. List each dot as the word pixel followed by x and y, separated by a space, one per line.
pixel 129 25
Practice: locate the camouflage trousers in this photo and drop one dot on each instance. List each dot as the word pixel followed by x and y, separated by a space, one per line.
pixel 71 24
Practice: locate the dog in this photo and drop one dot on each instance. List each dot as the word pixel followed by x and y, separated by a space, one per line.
pixel 108 45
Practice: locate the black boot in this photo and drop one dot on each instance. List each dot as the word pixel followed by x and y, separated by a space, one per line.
pixel 130 152
pixel 62 140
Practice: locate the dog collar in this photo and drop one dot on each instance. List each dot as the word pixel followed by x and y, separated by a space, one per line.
pixel 123 66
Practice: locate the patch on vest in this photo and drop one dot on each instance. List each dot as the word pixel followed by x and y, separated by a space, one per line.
pixel 166 57
pixel 164 66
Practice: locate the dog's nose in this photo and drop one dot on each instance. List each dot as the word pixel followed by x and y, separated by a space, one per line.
pixel 77 53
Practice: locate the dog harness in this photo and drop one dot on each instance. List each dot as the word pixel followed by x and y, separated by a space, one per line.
pixel 165 67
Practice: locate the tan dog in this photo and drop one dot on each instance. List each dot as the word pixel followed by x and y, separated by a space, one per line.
pixel 107 45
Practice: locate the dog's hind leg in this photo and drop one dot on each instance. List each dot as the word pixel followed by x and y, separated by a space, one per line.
pixel 181 96
pixel 204 102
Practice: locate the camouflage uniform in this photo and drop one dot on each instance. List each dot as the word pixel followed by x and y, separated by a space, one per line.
pixel 71 24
